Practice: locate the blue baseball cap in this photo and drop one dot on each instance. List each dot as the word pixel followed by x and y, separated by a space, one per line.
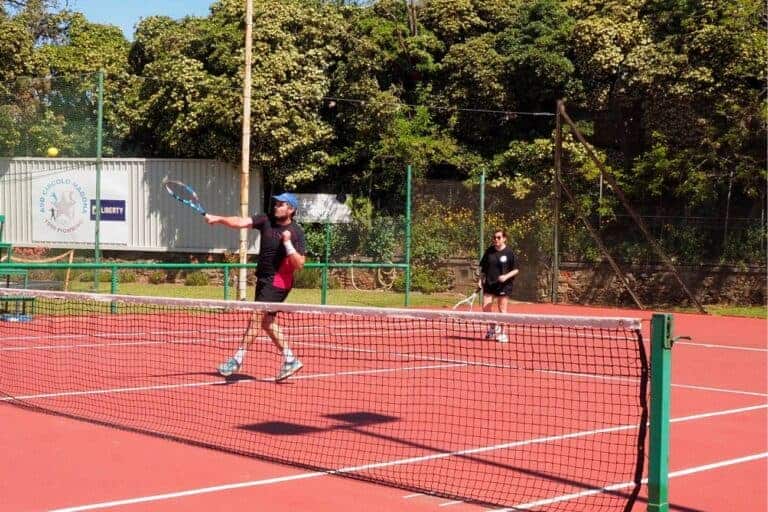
pixel 289 198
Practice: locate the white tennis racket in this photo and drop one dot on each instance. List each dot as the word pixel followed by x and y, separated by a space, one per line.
pixel 468 303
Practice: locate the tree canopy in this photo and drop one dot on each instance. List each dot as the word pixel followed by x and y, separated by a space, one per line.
pixel 670 92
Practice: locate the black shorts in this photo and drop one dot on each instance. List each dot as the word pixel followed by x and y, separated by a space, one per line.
pixel 266 292
pixel 498 289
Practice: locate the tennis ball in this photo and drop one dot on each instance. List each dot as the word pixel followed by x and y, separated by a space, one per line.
pixel 52 152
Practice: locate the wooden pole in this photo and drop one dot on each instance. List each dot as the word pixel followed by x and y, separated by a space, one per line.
pixel 242 283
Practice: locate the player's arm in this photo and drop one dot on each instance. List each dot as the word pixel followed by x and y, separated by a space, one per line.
pixel 230 222
pixel 512 273
pixel 509 275
pixel 483 270
pixel 291 253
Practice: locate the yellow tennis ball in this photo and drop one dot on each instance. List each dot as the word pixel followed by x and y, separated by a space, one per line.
pixel 52 152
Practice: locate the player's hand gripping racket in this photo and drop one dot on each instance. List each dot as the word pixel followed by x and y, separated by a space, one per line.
pixel 469 302
pixel 184 194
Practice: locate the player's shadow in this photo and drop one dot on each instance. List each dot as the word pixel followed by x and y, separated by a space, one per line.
pixel 357 421
pixel 231 379
pixel 351 421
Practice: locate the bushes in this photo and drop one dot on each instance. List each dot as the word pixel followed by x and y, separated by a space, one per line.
pixel 157 277
pixel 307 278
pixel 196 278
pixel 426 280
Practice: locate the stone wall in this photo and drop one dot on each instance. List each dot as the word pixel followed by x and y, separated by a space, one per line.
pixel 653 284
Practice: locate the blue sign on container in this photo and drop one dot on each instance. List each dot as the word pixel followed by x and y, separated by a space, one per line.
pixel 111 209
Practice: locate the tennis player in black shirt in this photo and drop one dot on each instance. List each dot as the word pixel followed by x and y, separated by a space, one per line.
pixel 281 253
pixel 498 268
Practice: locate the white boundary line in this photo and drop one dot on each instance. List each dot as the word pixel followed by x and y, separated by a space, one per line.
pixel 448 362
pixel 220 382
pixel 718 346
pixel 624 485
pixel 415 460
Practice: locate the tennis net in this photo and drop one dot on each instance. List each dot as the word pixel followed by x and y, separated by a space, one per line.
pixel 552 417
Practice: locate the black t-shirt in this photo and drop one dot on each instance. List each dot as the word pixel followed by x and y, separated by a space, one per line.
pixel 273 265
pixel 495 263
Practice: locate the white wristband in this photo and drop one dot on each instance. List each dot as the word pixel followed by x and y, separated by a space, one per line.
pixel 289 248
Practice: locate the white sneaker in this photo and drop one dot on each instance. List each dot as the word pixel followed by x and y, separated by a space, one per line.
pixel 502 338
pixel 288 369
pixel 230 367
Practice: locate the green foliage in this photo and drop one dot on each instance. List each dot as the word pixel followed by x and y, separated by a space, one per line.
pixel 158 277
pixel 127 276
pixel 746 245
pixel 196 278
pixel 426 279
pixel 102 276
pixel 669 94
pixel 308 278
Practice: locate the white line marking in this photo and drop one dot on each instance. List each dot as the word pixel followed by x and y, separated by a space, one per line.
pixel 718 413
pixel 220 382
pixel 725 347
pixel 414 495
pixel 624 485
pixel 412 460
pixel 719 390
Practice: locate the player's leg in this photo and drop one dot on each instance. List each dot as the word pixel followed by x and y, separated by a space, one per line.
pixel 502 303
pixel 234 363
pixel 488 298
pixel 291 364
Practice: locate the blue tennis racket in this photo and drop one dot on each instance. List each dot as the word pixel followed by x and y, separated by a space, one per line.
pixel 184 194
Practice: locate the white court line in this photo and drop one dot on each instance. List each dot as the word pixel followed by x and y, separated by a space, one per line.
pixel 624 485
pixel 719 390
pixel 412 460
pixel 725 347
pixel 220 382
pixel 342 348
pixel 116 335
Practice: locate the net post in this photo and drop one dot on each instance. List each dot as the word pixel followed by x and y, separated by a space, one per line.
pixel 661 371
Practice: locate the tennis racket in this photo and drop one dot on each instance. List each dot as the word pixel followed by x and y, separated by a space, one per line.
pixel 184 194
pixel 468 302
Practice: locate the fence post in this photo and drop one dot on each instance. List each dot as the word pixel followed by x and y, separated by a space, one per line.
pixel 556 206
pixel 408 192
pixel 226 281
pixel 326 258
pixel 481 236
pixel 661 371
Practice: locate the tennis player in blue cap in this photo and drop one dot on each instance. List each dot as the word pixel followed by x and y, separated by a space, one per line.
pixel 281 254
